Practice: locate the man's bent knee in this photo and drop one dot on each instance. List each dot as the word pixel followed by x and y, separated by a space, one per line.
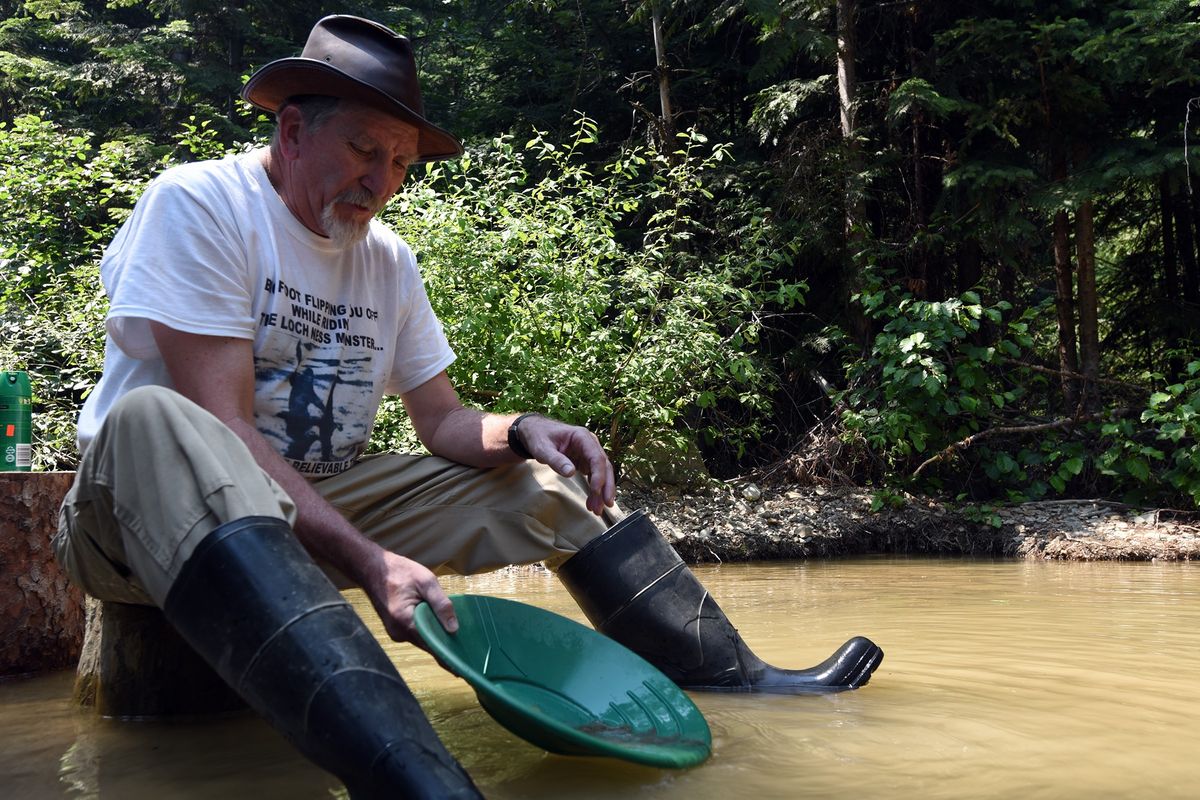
pixel 573 523
pixel 145 402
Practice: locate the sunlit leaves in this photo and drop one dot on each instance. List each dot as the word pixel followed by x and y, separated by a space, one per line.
pixel 624 295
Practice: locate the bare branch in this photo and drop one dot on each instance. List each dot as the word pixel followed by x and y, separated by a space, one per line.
pixel 1019 430
pixel 1074 375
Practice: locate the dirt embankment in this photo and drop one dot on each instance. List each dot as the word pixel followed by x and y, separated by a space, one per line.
pixel 746 523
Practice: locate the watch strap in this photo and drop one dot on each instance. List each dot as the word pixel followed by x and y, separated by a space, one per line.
pixel 514 435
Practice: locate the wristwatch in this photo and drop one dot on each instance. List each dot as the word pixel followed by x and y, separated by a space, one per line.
pixel 514 436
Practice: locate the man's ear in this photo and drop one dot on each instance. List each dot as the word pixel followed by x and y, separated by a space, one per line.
pixel 290 124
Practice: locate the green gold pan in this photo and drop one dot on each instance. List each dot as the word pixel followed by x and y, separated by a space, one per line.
pixel 565 688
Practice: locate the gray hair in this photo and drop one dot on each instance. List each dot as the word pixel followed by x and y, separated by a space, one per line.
pixel 315 109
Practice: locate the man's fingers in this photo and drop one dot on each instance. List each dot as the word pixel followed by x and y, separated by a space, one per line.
pixel 564 467
pixel 443 609
pixel 401 630
pixel 574 448
pixel 608 487
pixel 602 487
pixel 405 585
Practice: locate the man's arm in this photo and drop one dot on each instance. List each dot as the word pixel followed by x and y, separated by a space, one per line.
pixel 479 439
pixel 217 373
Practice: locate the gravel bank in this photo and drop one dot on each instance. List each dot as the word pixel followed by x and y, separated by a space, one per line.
pixel 744 522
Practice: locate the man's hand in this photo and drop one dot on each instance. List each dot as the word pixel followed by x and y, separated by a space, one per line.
pixel 396 587
pixel 480 439
pixel 567 448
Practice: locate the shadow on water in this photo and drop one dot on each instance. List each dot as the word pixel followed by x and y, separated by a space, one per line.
pixel 1002 679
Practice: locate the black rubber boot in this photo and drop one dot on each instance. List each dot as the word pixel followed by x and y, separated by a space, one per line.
pixel 634 588
pixel 254 605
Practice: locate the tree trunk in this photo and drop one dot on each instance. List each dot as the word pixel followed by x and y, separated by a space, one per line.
pixel 847 89
pixel 1171 326
pixel 1187 249
pixel 854 195
pixel 1193 200
pixel 136 666
pixel 237 46
pixel 932 271
pixel 664 78
pixel 1170 284
pixel 1064 303
pixel 234 18
pixel 1089 328
pixel 41 612
pixel 925 277
pixel 970 264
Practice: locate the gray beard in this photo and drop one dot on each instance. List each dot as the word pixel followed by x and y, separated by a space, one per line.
pixel 343 233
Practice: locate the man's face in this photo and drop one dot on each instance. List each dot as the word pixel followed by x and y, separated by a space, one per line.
pixel 347 169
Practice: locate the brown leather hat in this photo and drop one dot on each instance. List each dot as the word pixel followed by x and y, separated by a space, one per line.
pixel 355 59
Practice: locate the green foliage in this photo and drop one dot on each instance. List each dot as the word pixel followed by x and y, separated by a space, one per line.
pixel 59 340
pixel 886 498
pixel 644 292
pixel 1162 457
pixel 776 106
pixel 61 200
pixel 916 94
pixel 198 140
pixel 489 67
pixel 115 67
pixel 981 514
pixel 930 377
pixel 941 374
pixel 550 303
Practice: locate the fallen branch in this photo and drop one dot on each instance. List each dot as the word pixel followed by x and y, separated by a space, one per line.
pixel 1018 430
pixel 1076 376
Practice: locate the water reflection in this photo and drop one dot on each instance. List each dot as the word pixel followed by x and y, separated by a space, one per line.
pixel 231 757
pixel 1002 679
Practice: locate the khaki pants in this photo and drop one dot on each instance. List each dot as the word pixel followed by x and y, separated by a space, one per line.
pixel 163 473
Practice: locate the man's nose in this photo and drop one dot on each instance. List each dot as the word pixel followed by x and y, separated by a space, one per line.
pixel 378 181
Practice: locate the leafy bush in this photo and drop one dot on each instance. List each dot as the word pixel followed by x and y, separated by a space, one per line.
pixel 628 298
pixel 61 200
pixel 1162 457
pixel 950 397
pixel 59 340
pixel 930 377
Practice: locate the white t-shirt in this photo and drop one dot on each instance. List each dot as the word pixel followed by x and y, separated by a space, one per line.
pixel 211 249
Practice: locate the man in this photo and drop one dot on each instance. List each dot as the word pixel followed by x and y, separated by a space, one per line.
pixel 258 314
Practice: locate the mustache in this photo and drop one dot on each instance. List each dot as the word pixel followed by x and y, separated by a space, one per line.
pixel 361 197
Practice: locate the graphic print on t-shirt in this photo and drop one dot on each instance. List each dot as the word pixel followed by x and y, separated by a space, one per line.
pixel 313 402
pixel 315 376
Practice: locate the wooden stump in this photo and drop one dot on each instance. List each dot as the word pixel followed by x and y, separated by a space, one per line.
pixel 136 666
pixel 41 613
pixel 132 663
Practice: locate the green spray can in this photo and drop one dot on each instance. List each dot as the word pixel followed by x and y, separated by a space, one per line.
pixel 16 430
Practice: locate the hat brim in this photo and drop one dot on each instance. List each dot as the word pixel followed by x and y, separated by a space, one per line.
pixel 272 84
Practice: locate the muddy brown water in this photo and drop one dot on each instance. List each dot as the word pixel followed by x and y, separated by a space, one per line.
pixel 1003 679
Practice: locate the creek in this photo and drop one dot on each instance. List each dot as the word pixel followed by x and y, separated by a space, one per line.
pixel 1002 679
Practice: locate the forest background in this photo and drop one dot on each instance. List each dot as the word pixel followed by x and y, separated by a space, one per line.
pixel 932 246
